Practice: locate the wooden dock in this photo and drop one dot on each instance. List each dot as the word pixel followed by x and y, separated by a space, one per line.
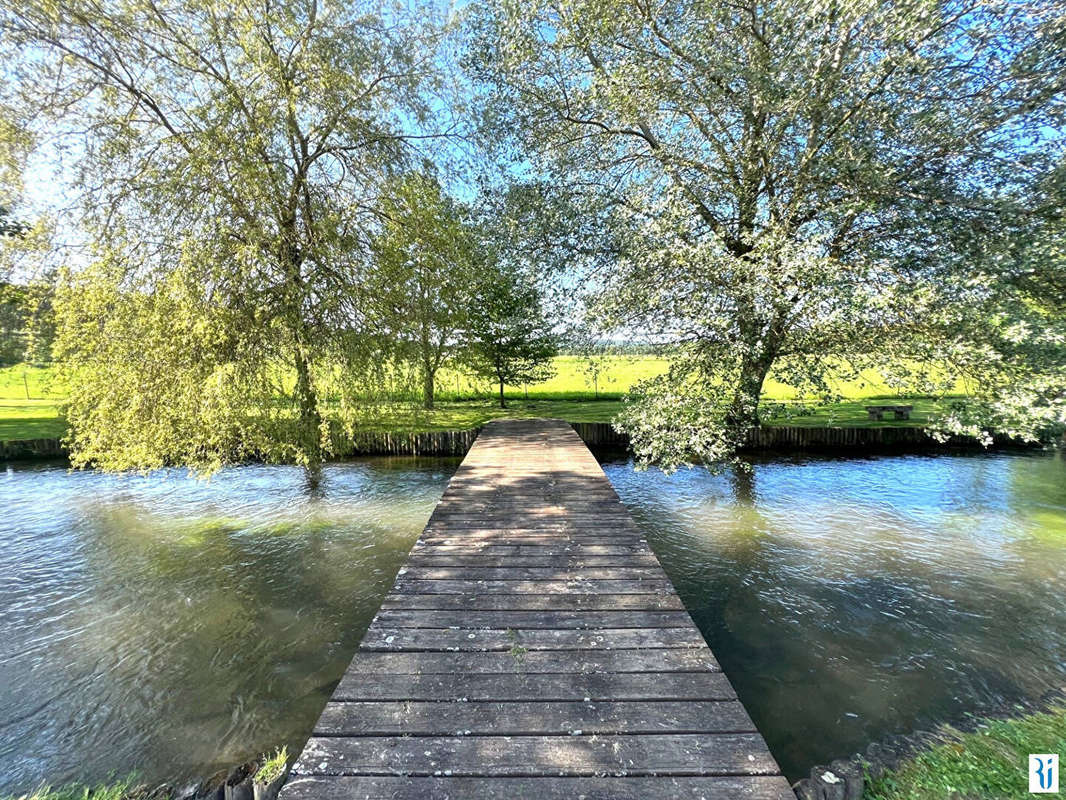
pixel 533 647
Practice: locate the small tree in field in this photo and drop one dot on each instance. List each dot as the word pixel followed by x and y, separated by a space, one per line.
pixel 510 340
pixel 423 276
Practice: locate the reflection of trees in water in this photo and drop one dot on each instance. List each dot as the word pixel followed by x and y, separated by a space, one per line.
pixel 742 479
pixel 903 617
pixel 243 619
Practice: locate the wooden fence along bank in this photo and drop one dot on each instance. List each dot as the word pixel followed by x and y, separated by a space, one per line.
pixel 594 434
pixel 532 647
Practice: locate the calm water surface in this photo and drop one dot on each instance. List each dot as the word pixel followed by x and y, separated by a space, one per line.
pixel 852 598
pixel 176 626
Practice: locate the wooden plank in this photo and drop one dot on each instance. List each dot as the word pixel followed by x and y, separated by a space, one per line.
pixel 476 718
pixel 465 618
pixel 559 602
pixel 644 660
pixel 532 536
pixel 547 549
pixel 577 755
pixel 490 639
pixel 595 686
pixel 566 562
pixel 517 573
pixel 732 787
pixel 649 586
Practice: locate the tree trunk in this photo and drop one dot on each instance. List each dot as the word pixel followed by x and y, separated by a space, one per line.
pixel 744 411
pixel 503 403
pixel 309 420
pixel 428 376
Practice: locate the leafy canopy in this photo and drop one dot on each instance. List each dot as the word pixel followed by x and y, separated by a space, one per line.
pixel 784 184
pixel 230 160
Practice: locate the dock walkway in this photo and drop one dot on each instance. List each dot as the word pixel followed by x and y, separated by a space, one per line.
pixel 533 647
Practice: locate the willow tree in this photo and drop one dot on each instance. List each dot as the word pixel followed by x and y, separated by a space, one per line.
pixel 775 175
pixel 229 159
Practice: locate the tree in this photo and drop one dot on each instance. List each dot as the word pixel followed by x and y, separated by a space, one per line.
pixel 230 163
pixel 12 323
pixel 783 182
pixel 424 274
pixel 509 337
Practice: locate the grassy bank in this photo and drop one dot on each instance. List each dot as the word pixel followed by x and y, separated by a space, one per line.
pixel 123 789
pixel 989 764
pixel 31 397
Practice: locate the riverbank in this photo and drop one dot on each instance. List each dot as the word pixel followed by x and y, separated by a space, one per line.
pixel 986 761
pixel 260 779
pixel 989 762
pixel 603 436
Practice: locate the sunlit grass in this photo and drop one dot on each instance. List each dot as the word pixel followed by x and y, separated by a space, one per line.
pixel 123 789
pixel 990 763
pixel 463 403
pixel 274 767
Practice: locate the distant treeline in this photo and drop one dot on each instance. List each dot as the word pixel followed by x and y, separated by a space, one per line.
pixel 27 323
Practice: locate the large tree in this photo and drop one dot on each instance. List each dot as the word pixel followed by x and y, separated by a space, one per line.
pixel 230 159
pixel 781 184
pixel 424 274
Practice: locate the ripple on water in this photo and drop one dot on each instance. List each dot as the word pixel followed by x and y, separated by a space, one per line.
pixel 178 626
pixel 850 598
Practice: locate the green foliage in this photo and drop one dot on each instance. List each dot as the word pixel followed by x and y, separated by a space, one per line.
pixel 27 322
pixel 230 163
pixel 423 275
pixel 566 395
pixel 989 764
pixel 124 789
pixel 791 187
pixel 11 227
pixel 509 338
pixel 274 767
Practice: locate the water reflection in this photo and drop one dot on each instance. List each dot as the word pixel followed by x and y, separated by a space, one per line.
pixel 177 626
pixel 851 598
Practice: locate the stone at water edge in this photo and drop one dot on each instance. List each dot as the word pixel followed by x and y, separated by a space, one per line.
pixel 851 771
pixel 828 785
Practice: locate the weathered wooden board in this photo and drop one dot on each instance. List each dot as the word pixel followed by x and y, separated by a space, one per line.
pixel 520 620
pixel 559 602
pixel 731 787
pixel 638 660
pixel 480 718
pixel 532 646
pixel 517 573
pixel 578 756
pixel 491 639
pixel 546 687
pixel 578 585
pixel 566 563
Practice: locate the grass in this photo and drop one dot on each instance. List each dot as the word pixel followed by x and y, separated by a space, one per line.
pixel 30 400
pixel 990 763
pixel 274 767
pixel 124 789
pixel 29 403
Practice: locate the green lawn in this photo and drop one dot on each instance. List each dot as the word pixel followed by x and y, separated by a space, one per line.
pixel 463 403
pixel 36 416
pixel 988 764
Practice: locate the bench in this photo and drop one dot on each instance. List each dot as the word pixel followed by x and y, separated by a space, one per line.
pixel 878 412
